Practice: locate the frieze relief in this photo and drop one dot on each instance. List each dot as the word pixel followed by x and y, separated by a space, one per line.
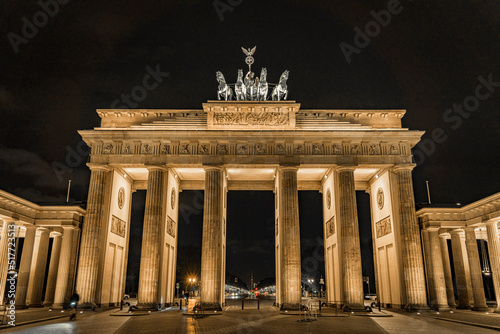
pixel 260 148
pixel 127 149
pixel 337 149
pixel 118 226
pixel 166 149
pixel 222 149
pixel 317 149
pixel 330 227
pixel 242 149
pixel 280 149
pixel 356 149
pixel 147 149
pixel 383 227
pixel 204 149
pixel 252 118
pixel 108 149
pixel 170 227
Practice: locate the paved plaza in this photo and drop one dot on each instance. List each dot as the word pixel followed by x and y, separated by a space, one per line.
pixel 266 320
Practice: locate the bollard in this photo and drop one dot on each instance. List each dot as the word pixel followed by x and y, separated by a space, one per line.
pixel 320 305
pixel 258 304
pixel 243 304
pixel 180 304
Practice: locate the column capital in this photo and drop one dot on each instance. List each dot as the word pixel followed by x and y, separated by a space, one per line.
pixel 98 167
pixel 213 167
pixel 44 230
pixel 491 222
pixel 56 234
pixel 29 226
pixel 288 167
pixel 162 168
pixel 444 235
pixel 345 168
pixel 459 232
pixel 399 168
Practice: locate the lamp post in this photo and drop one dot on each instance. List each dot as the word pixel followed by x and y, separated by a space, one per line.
pixel 310 281
pixel 321 283
pixel 192 281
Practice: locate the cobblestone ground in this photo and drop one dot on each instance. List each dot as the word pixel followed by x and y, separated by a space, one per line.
pixel 267 320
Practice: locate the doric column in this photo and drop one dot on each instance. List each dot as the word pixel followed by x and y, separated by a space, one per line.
pixel 40 267
pixel 448 278
pixel 494 253
pixel 62 280
pixel 7 233
pixel 211 256
pixel 475 270
pixel 88 264
pixel 25 266
pixel 441 301
pixel 349 234
pixel 428 266
pixel 289 237
pixel 75 250
pixel 53 266
pixel 411 251
pixel 151 238
pixel 461 266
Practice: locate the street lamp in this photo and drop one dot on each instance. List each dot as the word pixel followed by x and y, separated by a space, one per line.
pixel 310 281
pixel 192 281
pixel 321 283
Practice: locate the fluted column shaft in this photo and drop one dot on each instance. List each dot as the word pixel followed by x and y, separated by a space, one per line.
pixel 475 270
pixel 448 278
pixel 350 245
pixel 411 251
pixel 63 269
pixel 461 266
pixel 53 266
pixel 428 266
pixel 25 266
pixel 40 267
pixel 289 227
pixel 88 264
pixel 494 253
pixel 151 237
pixel 441 301
pixel 8 232
pixel 211 256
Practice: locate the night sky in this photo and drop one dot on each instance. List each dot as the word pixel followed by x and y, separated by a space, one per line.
pixel 429 59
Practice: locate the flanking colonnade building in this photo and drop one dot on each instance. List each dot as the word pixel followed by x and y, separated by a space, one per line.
pixel 272 146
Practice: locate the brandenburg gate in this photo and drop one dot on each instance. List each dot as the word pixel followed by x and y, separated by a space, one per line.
pixel 251 145
pixel 254 142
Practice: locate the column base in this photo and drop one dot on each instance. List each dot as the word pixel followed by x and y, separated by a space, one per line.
pixel 421 307
pixel 463 307
pixel 35 305
pixel 147 307
pixel 354 308
pixel 481 308
pixel 442 308
pixel 289 307
pixel 497 310
pixel 21 307
pixel 87 306
pixel 211 306
pixel 59 306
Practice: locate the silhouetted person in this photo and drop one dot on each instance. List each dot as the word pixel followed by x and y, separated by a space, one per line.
pixel 73 304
